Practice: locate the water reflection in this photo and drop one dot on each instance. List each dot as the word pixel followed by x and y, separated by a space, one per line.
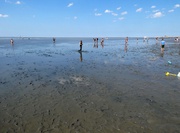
pixel 95 45
pixel 162 54
pixel 80 57
pixel 126 47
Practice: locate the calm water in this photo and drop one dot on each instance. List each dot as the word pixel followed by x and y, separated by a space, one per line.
pixel 46 87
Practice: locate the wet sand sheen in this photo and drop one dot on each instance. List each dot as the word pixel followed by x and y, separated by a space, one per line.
pixel 49 91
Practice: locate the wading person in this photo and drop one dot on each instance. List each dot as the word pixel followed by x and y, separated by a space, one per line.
pixel 162 45
pixel 80 44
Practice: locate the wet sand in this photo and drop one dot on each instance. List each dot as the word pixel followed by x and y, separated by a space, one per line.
pixel 53 88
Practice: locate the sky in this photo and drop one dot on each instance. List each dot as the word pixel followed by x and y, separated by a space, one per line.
pixel 89 18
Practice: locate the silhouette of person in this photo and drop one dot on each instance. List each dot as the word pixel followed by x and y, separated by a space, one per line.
pixel 157 40
pixel 80 44
pixel 102 42
pixel 54 40
pixel 95 42
pixel 12 41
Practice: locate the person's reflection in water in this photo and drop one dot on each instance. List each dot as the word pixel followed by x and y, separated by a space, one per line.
pixel 126 47
pixel 162 54
pixel 80 58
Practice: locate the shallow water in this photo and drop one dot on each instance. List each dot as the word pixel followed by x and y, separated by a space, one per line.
pixel 46 87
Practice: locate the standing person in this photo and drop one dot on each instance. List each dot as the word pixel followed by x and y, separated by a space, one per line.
pixel 157 40
pixel 94 39
pixel 126 40
pixel 137 40
pixel 80 44
pixel 95 42
pixel 162 45
pixel 102 42
pixel 54 40
pixel 126 44
pixel 12 41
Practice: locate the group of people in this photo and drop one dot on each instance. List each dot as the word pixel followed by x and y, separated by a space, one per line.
pixel 162 43
pixel 126 43
pixel 96 42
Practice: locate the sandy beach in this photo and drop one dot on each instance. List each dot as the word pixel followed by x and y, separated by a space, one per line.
pixel 48 87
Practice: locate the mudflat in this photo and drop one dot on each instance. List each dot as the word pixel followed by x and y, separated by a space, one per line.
pixel 53 88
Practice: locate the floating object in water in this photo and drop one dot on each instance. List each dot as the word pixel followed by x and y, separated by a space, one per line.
pixel 169 62
pixel 171 74
pixel 178 74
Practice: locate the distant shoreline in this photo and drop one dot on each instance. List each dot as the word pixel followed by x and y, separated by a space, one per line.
pixel 94 37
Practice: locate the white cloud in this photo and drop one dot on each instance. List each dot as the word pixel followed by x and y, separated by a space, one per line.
pixel 177 6
pixel 75 17
pixel 139 10
pixel 153 7
pixel 108 11
pixel 121 18
pixel 171 11
pixel 3 16
pixel 124 13
pixel 98 14
pixel 10 2
pixel 118 8
pixel 70 4
pixel 157 15
pixel 18 2
pixel 155 11
pixel 114 14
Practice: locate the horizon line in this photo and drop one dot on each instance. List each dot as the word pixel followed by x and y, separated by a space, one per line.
pixel 165 36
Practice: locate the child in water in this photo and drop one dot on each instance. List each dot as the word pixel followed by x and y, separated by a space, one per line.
pixel 162 45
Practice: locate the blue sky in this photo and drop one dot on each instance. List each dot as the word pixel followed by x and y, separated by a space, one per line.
pixel 89 18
